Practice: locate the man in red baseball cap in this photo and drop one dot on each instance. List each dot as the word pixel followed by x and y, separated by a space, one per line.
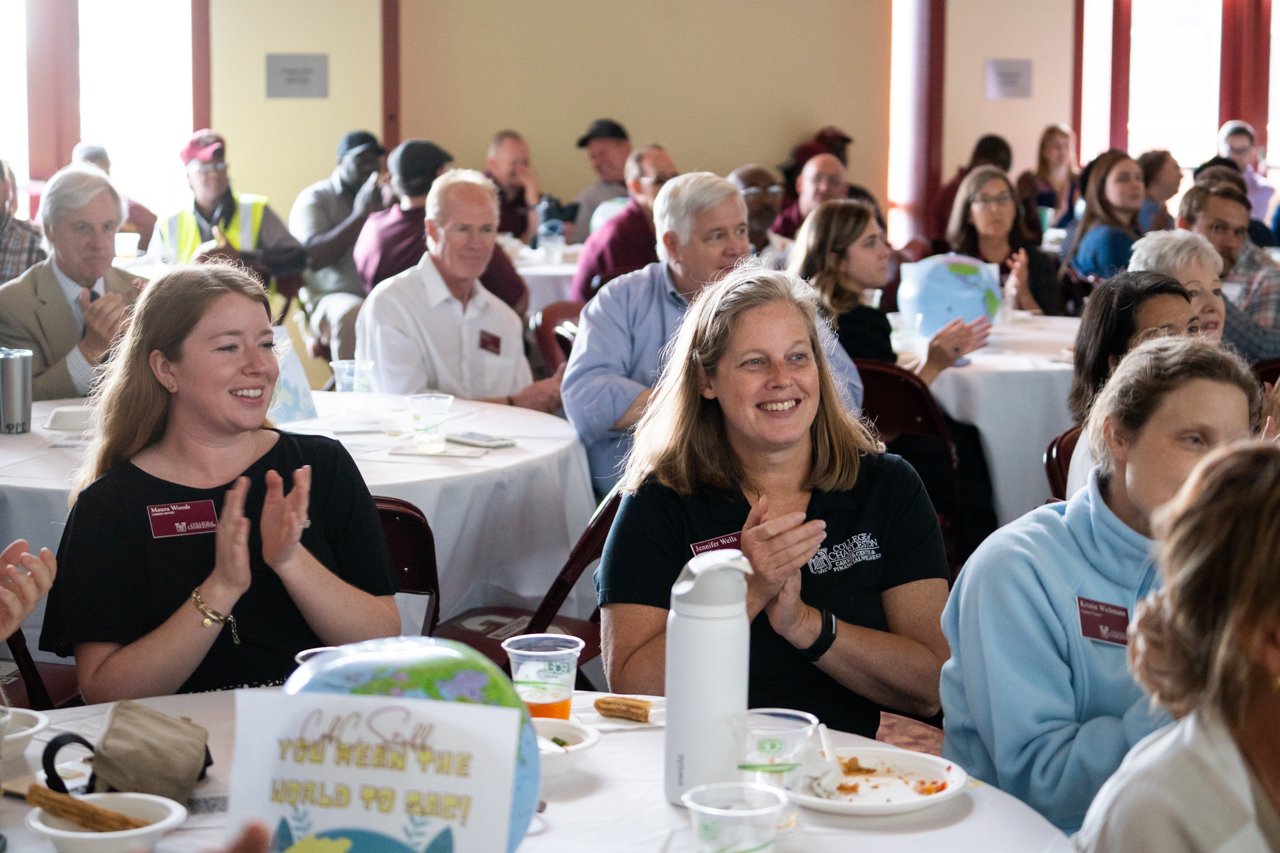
pixel 221 223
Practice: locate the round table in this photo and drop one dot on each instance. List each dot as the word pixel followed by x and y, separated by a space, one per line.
pixel 1014 391
pixel 547 282
pixel 612 801
pixel 503 523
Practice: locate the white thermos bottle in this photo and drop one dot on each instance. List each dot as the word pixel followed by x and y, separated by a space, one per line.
pixel 708 640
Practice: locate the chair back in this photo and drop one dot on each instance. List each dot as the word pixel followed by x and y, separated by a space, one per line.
pixel 586 550
pixel 44 685
pixel 1267 371
pixel 413 553
pixel 554 329
pixel 1057 461
pixel 899 403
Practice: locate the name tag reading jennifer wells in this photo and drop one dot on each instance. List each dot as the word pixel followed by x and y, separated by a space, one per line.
pixel 378 772
pixel 1101 621
pixel 729 540
pixel 182 519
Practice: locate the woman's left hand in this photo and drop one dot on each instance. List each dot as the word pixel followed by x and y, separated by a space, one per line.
pixel 284 516
pixel 791 618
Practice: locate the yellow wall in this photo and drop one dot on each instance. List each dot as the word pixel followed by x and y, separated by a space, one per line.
pixel 277 146
pixel 718 82
pixel 978 30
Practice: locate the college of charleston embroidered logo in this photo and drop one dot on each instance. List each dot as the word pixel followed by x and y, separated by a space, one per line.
pixel 856 549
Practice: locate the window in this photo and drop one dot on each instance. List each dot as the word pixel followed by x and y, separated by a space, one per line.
pixel 137 103
pixel 13 95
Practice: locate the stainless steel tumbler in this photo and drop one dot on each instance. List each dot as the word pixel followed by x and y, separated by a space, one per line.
pixel 15 390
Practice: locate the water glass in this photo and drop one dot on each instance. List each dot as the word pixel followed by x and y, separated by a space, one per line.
pixel 734 817
pixel 352 375
pixel 776 744
pixel 429 412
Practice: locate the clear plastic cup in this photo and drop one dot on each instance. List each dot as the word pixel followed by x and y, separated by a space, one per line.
pixel 352 375
pixel 429 412
pixel 776 745
pixel 734 817
pixel 544 668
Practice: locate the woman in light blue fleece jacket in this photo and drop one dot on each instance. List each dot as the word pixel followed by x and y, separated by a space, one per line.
pixel 1037 696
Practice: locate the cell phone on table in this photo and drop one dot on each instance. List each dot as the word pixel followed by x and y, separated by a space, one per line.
pixel 479 439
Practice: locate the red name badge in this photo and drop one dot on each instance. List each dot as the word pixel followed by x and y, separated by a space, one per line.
pixel 182 519
pixel 729 540
pixel 489 342
pixel 1101 621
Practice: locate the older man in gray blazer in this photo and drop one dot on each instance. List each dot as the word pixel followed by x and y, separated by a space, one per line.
pixel 68 309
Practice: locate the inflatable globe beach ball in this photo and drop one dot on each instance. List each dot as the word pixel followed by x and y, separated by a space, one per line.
pixel 941 288
pixel 430 669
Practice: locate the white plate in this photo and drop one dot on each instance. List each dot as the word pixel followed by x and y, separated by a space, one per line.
pixel 890 789
pixel 70 419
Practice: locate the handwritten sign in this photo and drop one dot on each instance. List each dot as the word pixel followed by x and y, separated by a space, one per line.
pixel 292 400
pixel 379 772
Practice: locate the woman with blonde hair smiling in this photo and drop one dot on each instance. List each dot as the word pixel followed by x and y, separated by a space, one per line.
pixel 159 591
pixel 745 441
pixel 1038 697
pixel 1207 648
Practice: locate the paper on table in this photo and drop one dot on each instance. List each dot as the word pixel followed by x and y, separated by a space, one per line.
pixel 447 450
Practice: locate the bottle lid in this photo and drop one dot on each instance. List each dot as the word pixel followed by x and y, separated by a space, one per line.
pixel 713 584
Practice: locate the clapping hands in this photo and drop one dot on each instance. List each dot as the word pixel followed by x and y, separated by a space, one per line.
pixel 24 580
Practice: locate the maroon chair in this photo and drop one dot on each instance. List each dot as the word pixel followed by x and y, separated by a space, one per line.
pixel 413 553
pixel 484 628
pixel 42 686
pixel 1057 461
pixel 899 403
pixel 554 329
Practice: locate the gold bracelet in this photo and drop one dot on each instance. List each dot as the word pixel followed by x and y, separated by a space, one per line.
pixel 212 617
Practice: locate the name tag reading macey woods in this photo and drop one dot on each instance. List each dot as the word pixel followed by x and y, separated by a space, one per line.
pixel 182 519
pixel 1101 621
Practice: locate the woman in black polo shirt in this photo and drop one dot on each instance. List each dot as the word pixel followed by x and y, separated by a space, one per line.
pixel 745 438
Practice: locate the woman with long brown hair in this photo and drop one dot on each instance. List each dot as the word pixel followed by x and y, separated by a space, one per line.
pixel 158 590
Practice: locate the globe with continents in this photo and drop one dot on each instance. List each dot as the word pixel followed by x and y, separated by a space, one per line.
pixel 944 287
pixel 430 669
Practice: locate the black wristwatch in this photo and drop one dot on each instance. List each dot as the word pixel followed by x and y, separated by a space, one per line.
pixel 826 637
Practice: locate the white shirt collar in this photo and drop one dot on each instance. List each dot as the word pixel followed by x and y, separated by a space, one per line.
pixel 438 292
pixel 70 289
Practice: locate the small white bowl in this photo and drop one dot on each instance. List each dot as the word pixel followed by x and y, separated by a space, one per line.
pixel 20 726
pixel 68 837
pixel 558 759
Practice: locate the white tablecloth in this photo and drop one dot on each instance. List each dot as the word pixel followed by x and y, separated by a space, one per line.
pixel 503 523
pixel 547 282
pixel 612 801
pixel 1015 392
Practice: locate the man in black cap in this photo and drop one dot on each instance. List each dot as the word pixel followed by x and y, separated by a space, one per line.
pixel 607 145
pixel 327 218
pixel 393 240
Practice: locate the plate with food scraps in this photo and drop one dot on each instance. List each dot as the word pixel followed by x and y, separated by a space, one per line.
pixel 882 782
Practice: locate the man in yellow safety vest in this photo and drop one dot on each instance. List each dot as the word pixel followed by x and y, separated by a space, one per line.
pixel 221 223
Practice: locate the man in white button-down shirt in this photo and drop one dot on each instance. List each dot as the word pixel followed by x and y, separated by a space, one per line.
pixel 434 327
pixel 68 309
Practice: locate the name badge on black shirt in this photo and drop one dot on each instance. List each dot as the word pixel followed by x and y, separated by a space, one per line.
pixel 182 519
pixel 729 540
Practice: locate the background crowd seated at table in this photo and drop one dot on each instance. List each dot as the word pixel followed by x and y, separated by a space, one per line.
pixel 505 543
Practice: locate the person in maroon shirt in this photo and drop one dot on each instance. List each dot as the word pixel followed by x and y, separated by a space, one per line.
pixel 821 179
pixel 508 166
pixel 395 239
pixel 627 241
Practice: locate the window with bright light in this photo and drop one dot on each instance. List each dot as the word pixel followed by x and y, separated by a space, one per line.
pixel 1175 61
pixel 13 95
pixel 137 102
